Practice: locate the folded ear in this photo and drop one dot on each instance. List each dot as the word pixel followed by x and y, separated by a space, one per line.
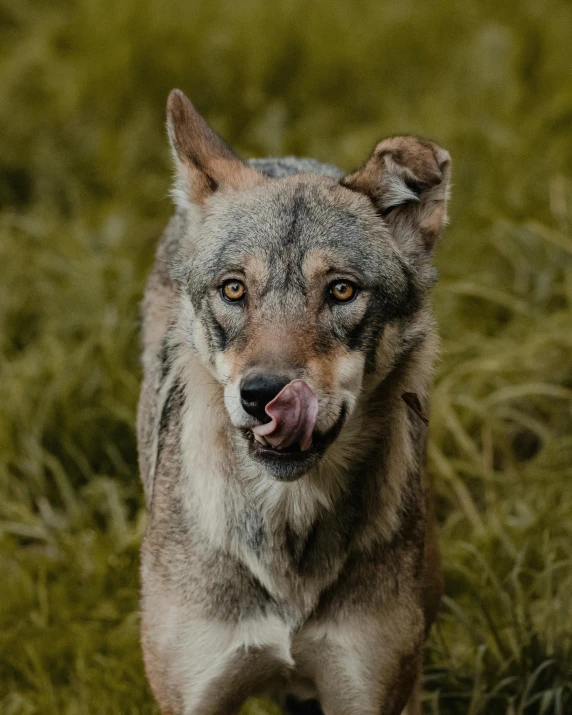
pixel 204 162
pixel 407 179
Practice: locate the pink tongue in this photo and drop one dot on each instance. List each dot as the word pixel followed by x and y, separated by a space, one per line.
pixel 293 412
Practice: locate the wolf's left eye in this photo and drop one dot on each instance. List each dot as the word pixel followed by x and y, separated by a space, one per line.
pixel 342 291
pixel 233 291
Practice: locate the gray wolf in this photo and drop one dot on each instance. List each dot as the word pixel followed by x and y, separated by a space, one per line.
pixel 288 345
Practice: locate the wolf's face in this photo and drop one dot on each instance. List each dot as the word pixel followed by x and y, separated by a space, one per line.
pixel 300 293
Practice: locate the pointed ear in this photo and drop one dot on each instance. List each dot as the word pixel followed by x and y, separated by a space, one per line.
pixel 407 179
pixel 204 162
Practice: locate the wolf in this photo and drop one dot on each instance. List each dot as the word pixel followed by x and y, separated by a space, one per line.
pixel 288 347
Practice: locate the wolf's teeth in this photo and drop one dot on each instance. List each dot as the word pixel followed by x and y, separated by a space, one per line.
pixel 260 439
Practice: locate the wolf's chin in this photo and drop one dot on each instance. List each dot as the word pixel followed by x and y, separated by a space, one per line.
pixel 285 465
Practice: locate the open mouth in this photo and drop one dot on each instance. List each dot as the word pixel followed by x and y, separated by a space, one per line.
pixel 260 449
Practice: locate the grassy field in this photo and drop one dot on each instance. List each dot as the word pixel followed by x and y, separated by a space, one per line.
pixel 84 176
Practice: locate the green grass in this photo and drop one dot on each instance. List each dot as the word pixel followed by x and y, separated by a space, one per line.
pixel 84 175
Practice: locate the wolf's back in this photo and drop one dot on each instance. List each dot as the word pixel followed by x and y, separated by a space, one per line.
pixel 289 165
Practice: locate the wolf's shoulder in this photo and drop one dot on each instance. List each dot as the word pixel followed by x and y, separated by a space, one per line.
pixel 288 165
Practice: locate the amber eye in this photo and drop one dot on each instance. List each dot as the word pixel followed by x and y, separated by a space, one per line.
pixel 233 291
pixel 343 291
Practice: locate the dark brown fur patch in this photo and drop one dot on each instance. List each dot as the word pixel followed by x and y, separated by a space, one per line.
pixel 413 402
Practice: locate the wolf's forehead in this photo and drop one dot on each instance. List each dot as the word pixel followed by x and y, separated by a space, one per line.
pixel 285 222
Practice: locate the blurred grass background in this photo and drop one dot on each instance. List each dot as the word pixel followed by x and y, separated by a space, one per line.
pixel 84 176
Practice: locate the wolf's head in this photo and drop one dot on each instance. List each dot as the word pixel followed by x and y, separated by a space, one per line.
pixel 301 294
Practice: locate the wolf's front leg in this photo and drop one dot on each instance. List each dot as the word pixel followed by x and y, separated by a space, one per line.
pixel 367 665
pixel 212 667
pixel 413 706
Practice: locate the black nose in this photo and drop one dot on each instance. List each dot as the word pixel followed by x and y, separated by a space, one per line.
pixel 257 390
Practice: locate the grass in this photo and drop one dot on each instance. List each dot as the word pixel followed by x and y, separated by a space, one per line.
pixel 84 174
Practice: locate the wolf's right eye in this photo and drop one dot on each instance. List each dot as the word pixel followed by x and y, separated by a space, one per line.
pixel 342 291
pixel 233 291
